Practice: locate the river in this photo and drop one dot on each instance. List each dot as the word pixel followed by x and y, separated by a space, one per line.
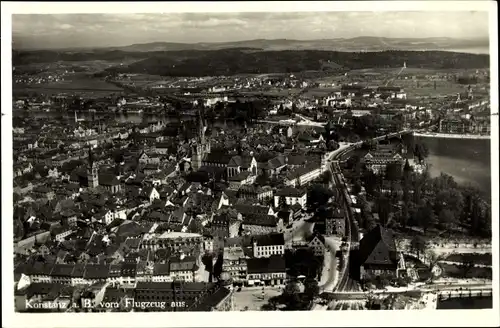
pixel 485 302
pixel 467 160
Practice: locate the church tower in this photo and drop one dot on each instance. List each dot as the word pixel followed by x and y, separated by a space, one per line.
pixel 202 146
pixel 92 171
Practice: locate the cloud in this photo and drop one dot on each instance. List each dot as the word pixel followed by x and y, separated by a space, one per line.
pixel 123 29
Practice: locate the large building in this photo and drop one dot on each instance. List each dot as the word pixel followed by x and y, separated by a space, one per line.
pixel 268 245
pixel 378 255
pixel 201 147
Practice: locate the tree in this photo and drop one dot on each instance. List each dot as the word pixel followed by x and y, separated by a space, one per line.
pixel 447 219
pixel 419 245
pixel 393 172
pixel 319 195
pixel 332 145
pixel 383 210
pixel 311 288
pixel 451 199
pixel 195 226
pixel 357 187
pixel 425 216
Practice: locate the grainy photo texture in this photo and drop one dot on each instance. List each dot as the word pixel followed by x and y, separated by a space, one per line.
pixel 291 161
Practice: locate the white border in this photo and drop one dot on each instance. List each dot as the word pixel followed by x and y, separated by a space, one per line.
pixel 280 319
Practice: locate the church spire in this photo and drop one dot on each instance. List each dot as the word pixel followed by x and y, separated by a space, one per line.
pixel 91 157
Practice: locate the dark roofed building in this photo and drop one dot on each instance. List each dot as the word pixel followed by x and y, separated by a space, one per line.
pixel 192 295
pixel 96 272
pixel 268 245
pixel 266 271
pixel 110 182
pixel 377 253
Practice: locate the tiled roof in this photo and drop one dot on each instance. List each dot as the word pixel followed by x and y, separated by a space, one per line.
pixel 273 264
pixel 270 239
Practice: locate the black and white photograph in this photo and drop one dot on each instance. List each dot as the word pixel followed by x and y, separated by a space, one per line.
pixel 283 157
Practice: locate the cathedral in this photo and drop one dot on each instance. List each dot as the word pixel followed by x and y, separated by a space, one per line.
pixel 92 171
pixel 202 147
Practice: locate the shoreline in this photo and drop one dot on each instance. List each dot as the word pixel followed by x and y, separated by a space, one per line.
pixel 452 136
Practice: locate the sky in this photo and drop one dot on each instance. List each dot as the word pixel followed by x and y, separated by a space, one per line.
pixel 101 30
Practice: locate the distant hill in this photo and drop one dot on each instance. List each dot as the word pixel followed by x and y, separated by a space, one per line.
pixel 338 44
pixel 231 62
pixel 363 43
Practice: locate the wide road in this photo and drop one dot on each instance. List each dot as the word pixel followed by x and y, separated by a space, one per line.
pixel 329 273
pixel 300 230
pixel 345 282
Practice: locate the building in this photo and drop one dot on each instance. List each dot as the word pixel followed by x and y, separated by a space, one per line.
pixel 202 146
pixel 290 196
pixel 181 296
pixel 235 264
pixel 268 245
pixel 378 255
pixel 458 126
pixel 173 240
pixel 183 268
pixel 239 164
pixel 335 223
pixel 377 161
pixel 303 175
pixel 268 271
pixel 224 226
pixel 255 193
pixel 92 171
pixel 318 245
pixel 261 224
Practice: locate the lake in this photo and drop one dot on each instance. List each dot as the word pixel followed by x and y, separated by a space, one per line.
pixel 468 161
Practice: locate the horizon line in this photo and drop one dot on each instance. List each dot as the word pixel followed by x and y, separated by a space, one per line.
pixel 249 40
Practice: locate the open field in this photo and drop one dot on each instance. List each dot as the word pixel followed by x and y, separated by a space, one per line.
pixel 78 83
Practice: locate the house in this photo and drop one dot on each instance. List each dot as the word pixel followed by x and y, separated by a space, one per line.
pixel 303 175
pixel 335 223
pixel 378 255
pixel 61 273
pixel 151 169
pixel 240 179
pixel 161 272
pixel 183 268
pixel 245 209
pixel 235 264
pixel 255 192
pixel 272 166
pixel 145 158
pixel 268 245
pixel 150 193
pixel 290 196
pixel 452 125
pixel 195 296
pixel 318 245
pixel 110 183
pixel 239 164
pixel 224 226
pixel 260 224
pixel 268 271
pixel 95 273
pixel 61 233
pixel 377 161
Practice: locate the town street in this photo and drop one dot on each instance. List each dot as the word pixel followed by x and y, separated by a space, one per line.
pixel 330 272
